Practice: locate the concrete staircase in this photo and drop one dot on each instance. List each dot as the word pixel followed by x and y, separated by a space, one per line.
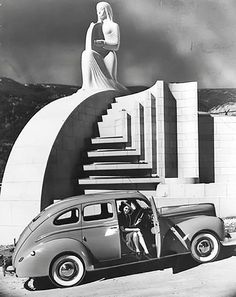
pixel 124 154
pixel 145 138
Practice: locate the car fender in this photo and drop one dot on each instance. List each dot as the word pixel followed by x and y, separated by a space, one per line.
pixel 37 260
pixel 189 228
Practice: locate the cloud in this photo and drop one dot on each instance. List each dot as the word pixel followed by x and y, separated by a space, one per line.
pixel 160 39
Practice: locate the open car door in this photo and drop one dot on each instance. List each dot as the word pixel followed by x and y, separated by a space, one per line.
pixel 156 227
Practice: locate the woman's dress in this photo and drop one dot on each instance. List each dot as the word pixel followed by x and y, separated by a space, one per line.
pixel 125 221
pixel 94 70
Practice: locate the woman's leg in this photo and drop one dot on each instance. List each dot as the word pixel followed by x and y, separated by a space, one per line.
pixel 136 242
pixel 142 242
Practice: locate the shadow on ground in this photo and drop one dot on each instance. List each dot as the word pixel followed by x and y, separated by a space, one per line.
pixel 178 264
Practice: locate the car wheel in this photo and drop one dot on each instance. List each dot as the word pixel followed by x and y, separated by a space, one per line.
pixel 67 271
pixel 205 247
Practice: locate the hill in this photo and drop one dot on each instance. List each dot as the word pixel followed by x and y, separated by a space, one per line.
pixel 217 101
pixel 18 103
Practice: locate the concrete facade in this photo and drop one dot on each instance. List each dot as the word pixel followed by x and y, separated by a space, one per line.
pixel 217 168
pixel 154 141
pixel 156 126
pixel 187 128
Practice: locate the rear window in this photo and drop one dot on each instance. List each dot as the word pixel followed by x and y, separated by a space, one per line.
pixel 38 216
pixel 98 211
pixel 68 217
pixel 42 212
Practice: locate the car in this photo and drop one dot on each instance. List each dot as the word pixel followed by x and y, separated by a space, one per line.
pixel 82 233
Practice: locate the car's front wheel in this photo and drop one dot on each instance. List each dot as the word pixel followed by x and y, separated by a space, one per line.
pixel 67 271
pixel 205 247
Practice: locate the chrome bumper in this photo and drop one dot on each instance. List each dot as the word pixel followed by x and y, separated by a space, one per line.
pixel 229 241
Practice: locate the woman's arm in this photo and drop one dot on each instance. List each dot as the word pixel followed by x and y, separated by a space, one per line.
pixel 129 229
pixel 111 33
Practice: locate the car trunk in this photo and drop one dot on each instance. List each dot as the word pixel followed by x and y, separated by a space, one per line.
pixel 27 231
pixel 24 235
pixel 190 210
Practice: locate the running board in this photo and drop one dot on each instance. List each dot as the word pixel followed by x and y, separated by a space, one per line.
pixel 137 262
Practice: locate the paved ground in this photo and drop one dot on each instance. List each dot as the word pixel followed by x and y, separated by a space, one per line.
pixel 216 279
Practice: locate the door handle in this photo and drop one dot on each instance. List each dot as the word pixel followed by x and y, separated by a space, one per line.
pixel 115 227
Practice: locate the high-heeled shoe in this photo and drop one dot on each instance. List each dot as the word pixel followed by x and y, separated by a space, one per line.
pixel 138 255
pixel 147 256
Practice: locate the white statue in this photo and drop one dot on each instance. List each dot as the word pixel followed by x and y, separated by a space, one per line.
pixel 99 61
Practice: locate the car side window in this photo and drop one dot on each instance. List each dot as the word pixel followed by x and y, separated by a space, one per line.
pixel 68 217
pixel 98 211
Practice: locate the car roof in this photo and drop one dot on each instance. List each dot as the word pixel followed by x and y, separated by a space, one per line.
pixel 74 200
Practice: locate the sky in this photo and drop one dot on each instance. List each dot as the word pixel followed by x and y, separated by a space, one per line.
pixel 41 41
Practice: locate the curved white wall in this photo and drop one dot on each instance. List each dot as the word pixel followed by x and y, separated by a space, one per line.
pixel 44 162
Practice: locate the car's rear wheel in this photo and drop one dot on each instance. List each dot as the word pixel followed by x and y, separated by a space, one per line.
pixel 205 247
pixel 67 271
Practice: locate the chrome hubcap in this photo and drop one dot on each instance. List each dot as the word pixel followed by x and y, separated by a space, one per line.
pixel 204 247
pixel 67 270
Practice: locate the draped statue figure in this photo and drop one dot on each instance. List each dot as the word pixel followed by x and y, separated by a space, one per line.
pixel 99 61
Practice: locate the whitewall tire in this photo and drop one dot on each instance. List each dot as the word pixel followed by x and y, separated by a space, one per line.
pixel 205 247
pixel 67 271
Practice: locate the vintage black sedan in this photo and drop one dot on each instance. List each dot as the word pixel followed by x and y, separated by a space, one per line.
pixel 83 233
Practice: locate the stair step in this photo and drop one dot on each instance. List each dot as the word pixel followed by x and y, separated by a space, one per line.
pixel 115 114
pixel 113 153
pixel 112 110
pixel 112 139
pixel 120 180
pixel 106 176
pixel 116 166
pixel 118 176
pixel 123 183
pixel 129 148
